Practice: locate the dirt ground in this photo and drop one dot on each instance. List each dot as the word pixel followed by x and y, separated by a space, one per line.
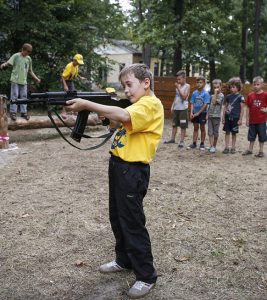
pixel 206 215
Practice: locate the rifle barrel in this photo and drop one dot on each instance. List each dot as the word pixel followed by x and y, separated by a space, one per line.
pixel 100 98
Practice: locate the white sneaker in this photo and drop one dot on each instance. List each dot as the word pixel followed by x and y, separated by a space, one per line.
pixel 202 147
pixel 181 144
pixel 212 150
pixel 140 289
pixel 111 267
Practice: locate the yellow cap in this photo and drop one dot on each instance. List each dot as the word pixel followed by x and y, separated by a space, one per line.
pixel 79 59
pixel 110 90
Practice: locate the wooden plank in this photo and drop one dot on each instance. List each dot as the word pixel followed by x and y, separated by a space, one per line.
pixel 36 122
pixel 164 88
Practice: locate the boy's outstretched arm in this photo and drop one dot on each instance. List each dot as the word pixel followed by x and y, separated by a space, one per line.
pixel 34 76
pixel 111 112
pixel 4 65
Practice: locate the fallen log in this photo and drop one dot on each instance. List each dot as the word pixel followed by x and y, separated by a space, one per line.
pixel 37 122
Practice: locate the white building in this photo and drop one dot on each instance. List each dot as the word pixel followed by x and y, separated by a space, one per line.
pixel 121 53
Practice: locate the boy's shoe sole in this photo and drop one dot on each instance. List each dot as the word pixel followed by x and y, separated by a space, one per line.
pixel 169 142
pixel 25 116
pixel 260 154
pixel 13 116
pixel 140 289
pixel 232 151
pixel 111 267
pixel 247 152
pixel 192 146
pixel 212 150
pixel 226 151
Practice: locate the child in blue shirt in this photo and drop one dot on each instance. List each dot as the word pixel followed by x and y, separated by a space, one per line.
pixel 233 113
pixel 199 106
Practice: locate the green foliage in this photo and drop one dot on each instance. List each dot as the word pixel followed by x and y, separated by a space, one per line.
pixel 208 30
pixel 228 68
pixel 57 29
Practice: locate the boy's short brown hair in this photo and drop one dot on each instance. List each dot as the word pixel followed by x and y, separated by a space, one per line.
pixel 200 78
pixel 181 73
pixel 258 79
pixel 140 71
pixel 27 47
pixel 217 81
pixel 235 81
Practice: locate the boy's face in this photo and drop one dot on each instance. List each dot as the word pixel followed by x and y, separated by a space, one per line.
pixel 133 88
pixel 257 86
pixel 217 86
pixel 26 52
pixel 200 84
pixel 234 89
pixel 180 80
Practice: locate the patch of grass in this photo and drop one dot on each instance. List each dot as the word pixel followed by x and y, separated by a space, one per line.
pixel 239 241
pixel 217 253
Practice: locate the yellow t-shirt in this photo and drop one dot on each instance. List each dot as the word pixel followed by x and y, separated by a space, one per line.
pixel 70 71
pixel 137 141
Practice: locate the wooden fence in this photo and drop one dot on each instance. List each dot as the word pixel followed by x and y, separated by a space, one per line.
pixel 165 90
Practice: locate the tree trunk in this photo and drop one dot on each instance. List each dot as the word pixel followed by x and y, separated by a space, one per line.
pixel 244 42
pixel 146 56
pixel 146 51
pixel 256 67
pixel 212 70
pixel 177 57
pixel 187 69
pixel 162 62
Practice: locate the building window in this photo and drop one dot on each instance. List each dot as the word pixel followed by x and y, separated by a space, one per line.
pixel 122 65
pixel 156 69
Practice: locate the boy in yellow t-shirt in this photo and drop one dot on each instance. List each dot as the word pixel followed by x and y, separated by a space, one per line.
pixel 132 150
pixel 71 72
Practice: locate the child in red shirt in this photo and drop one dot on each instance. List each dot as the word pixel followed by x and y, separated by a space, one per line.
pixel 256 116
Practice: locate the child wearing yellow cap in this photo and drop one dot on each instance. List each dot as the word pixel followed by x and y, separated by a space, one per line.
pixel 71 72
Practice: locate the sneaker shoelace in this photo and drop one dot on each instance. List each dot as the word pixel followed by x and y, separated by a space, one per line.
pixel 114 264
pixel 140 284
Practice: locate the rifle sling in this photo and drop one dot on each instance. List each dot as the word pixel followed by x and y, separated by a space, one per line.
pixel 106 136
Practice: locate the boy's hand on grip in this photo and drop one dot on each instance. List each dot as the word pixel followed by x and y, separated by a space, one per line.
pixel 76 104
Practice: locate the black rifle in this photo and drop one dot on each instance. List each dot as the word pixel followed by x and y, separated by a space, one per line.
pixel 60 98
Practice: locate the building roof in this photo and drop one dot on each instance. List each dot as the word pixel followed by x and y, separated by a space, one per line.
pixel 118 47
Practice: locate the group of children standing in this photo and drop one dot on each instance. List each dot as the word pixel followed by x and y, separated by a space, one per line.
pixel 208 109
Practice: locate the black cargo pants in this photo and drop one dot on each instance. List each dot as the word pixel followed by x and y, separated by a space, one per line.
pixel 128 183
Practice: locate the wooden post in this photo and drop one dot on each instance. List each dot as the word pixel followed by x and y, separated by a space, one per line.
pixel 4 137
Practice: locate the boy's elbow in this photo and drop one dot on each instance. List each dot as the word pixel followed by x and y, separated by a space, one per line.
pixel 125 116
